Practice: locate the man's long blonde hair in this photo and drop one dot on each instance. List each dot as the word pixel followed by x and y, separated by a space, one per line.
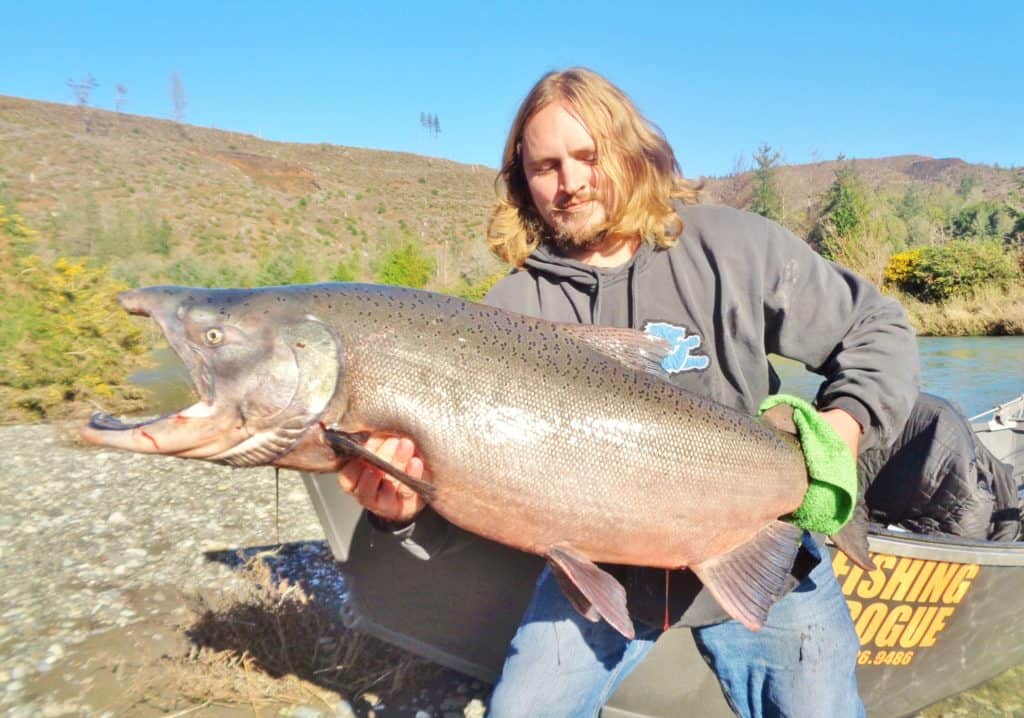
pixel 633 155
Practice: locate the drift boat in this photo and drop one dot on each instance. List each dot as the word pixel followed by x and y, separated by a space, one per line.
pixel 938 616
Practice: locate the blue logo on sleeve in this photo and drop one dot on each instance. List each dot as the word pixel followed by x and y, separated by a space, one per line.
pixel 681 358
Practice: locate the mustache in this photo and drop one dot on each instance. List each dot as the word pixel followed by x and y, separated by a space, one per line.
pixel 562 204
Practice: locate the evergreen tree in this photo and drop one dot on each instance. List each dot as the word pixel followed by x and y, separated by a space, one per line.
pixel 767 199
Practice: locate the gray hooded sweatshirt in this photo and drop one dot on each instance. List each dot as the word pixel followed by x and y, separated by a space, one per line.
pixel 735 288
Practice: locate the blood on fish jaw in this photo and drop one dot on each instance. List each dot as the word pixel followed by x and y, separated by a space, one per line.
pixel 150 437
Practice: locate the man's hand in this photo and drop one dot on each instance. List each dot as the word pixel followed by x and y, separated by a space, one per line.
pixel 846 426
pixel 376 491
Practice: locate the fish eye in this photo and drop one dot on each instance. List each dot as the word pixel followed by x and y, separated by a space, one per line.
pixel 214 336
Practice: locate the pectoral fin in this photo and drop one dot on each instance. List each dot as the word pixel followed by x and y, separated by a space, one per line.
pixel 344 445
pixel 593 592
pixel 748 580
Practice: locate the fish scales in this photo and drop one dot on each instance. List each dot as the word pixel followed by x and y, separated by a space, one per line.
pixel 577 434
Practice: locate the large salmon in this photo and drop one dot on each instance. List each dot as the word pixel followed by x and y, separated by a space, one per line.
pixel 563 440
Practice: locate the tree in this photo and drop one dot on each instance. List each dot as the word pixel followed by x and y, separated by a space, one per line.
pixel 845 231
pixel 178 97
pixel 846 202
pixel 406 266
pixel 82 89
pixel 767 199
pixel 967 184
pixel 122 91
pixel 430 123
pixel 985 220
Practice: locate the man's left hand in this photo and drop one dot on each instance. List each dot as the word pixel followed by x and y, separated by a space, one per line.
pixel 846 426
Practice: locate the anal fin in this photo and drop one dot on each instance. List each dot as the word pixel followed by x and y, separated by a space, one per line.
pixel 852 539
pixel 748 580
pixel 592 591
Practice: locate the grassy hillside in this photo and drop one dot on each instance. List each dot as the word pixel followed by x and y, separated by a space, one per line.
pixel 802 186
pixel 159 201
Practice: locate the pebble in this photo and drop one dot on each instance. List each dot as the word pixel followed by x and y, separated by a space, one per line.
pixel 344 710
pixel 117 519
pixel 474 709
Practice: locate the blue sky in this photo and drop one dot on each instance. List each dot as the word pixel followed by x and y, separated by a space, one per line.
pixel 812 79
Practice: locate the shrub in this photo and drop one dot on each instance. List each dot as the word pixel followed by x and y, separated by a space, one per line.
pixel 935 274
pixel 406 266
pixel 475 291
pixel 900 267
pixel 63 341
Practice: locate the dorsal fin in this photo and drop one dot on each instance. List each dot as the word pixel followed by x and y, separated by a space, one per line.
pixel 631 347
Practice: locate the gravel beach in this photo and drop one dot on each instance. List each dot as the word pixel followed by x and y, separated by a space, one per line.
pixel 99 551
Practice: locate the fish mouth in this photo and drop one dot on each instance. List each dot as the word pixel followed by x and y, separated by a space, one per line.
pixel 200 377
pixel 265 403
pixel 102 421
pixel 187 432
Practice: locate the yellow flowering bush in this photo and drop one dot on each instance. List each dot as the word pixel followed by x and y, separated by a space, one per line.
pixel 901 266
pixel 64 341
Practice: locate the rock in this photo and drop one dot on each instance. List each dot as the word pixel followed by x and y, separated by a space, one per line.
pixel 474 709
pixel 344 710
pixel 117 519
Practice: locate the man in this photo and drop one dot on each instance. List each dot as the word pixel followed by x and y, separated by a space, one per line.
pixel 604 230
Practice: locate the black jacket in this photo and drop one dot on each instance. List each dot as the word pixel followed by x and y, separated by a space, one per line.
pixel 936 477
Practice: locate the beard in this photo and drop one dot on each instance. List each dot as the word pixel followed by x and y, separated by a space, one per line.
pixel 566 239
pixel 567 242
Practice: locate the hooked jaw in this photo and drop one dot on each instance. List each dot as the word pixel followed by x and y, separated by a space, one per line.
pixel 259 392
pixel 200 430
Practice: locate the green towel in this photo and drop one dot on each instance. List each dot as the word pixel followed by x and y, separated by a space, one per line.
pixel 830 498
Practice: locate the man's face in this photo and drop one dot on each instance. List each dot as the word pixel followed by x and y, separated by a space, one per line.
pixel 560 163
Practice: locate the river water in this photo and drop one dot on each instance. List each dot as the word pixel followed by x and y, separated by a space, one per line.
pixel 975 372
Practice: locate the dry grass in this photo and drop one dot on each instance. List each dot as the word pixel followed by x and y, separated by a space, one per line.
pixel 989 311
pixel 273 644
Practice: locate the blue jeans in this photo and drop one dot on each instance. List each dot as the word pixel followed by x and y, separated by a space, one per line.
pixel 801 663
